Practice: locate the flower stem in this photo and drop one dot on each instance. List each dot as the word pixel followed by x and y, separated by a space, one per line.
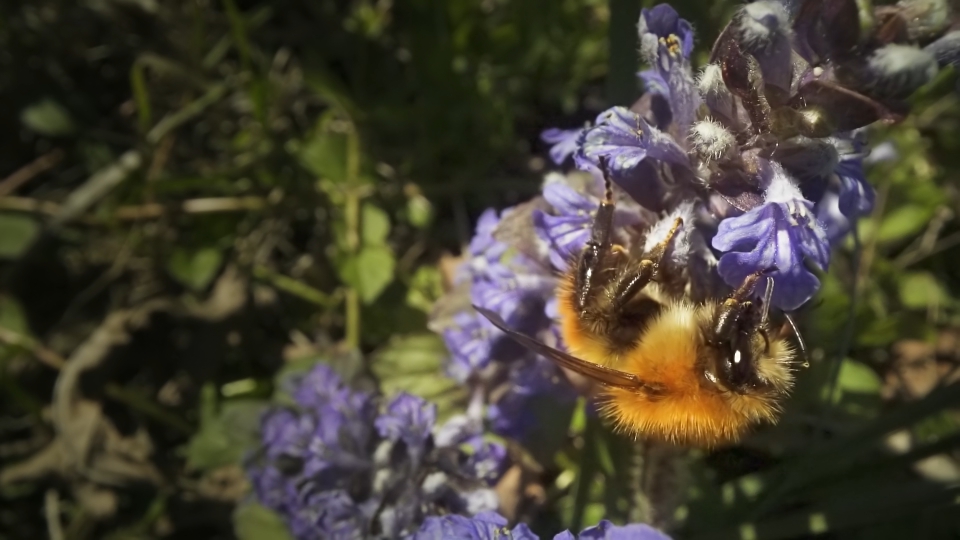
pixel 639 501
pixel 352 222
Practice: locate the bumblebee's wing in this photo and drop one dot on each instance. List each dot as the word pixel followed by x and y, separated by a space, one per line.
pixel 601 374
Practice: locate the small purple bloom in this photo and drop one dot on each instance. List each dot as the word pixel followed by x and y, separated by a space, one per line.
pixel 671 33
pixel 512 415
pixel 564 142
pixel 567 231
pixel 408 418
pixel 653 82
pixel 484 526
pixel 328 514
pixel 513 295
pixel 606 530
pixel 470 343
pixel 779 233
pixel 626 139
pixel 482 241
pixel 856 195
pixel 666 42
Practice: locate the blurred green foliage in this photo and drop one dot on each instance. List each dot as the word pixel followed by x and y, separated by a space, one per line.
pixel 286 175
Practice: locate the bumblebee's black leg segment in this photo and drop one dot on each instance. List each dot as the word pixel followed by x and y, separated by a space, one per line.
pixel 635 279
pixel 597 249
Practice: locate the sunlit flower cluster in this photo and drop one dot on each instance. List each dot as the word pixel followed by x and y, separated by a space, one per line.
pixel 761 151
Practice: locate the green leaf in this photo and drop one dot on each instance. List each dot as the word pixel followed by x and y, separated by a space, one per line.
pixel 47 117
pixel 195 269
pixel 857 377
pixel 426 286
pixel 17 232
pixel 254 522
pixel 374 267
pixel 419 211
pixel 903 222
pixel 918 290
pixel 414 364
pixel 12 316
pixel 376 225
pixel 325 152
pixel 224 437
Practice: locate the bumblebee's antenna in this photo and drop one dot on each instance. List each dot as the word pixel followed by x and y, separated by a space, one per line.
pixel 607 185
pixel 800 342
pixel 767 296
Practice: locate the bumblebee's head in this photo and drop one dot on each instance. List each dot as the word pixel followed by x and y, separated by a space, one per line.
pixel 739 347
pixel 736 346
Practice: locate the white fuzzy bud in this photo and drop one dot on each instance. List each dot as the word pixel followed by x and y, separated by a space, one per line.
pixel 711 140
pixel 679 250
pixel 901 69
pixel 761 22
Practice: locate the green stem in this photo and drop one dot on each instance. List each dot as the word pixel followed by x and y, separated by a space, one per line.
pixel 586 474
pixel 138 402
pixel 639 502
pixel 352 222
pixel 297 288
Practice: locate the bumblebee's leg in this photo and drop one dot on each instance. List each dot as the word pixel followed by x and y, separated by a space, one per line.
pixel 598 248
pixel 634 279
pixel 732 309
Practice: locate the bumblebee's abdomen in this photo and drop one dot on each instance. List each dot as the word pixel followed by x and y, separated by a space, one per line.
pixel 688 409
pixel 704 419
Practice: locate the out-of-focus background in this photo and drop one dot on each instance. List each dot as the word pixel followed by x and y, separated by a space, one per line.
pixel 197 194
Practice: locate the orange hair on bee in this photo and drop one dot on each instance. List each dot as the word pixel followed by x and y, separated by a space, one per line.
pixel 690 409
pixel 590 340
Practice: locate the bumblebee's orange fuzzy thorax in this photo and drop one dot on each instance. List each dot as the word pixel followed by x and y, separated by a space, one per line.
pixel 690 409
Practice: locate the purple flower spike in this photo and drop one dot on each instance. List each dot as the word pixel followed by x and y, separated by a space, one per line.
pixel 666 42
pixel 625 139
pixel 779 233
pixel 409 418
pixel 483 526
pixel 564 143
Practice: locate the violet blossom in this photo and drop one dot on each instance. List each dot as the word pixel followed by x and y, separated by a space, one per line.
pixel 333 466
pixel 492 526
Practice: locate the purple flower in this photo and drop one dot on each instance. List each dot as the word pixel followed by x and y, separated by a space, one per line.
pixel 330 514
pixel 567 228
pixel 485 526
pixel 326 483
pixel 514 295
pixel 482 242
pixel 606 530
pixel 408 418
pixel 779 233
pixel 512 415
pixel 856 195
pixel 666 42
pixel 673 36
pixel 470 343
pixel 626 139
pixel 490 526
pixel 564 142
